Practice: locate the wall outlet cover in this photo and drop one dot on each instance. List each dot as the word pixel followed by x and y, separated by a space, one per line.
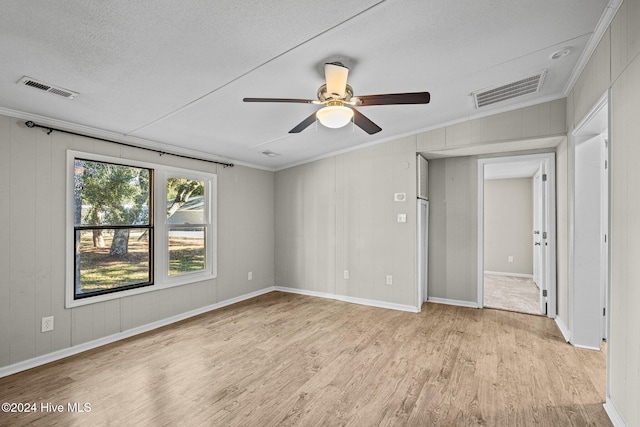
pixel 47 324
pixel 399 197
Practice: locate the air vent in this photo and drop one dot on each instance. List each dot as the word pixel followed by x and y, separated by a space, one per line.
pixel 524 86
pixel 28 81
pixel 270 153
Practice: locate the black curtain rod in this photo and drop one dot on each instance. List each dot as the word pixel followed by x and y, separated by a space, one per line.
pixel 50 129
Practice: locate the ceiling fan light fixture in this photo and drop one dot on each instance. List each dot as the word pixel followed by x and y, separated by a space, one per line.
pixel 334 116
pixel 336 76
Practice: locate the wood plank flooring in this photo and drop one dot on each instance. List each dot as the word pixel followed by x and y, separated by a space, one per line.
pixel 291 360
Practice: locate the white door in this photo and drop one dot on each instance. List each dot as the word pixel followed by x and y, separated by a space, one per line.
pixel 604 259
pixel 423 225
pixel 539 235
pixel 537 228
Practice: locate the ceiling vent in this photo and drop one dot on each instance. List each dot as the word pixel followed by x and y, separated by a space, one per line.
pixel 524 86
pixel 28 81
pixel 270 153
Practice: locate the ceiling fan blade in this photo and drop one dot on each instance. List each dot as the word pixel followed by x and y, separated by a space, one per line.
pixel 304 124
pixel 335 74
pixel 364 123
pixel 292 100
pixel 395 98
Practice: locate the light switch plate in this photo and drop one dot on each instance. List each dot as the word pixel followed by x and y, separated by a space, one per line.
pixel 399 197
pixel 402 217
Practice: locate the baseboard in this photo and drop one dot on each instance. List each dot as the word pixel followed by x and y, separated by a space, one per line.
pixel 447 301
pixel 586 347
pixel 563 329
pixel 502 273
pixel 614 414
pixel 353 300
pixel 70 351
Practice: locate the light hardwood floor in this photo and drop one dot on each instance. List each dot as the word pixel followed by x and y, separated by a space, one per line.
pixel 284 359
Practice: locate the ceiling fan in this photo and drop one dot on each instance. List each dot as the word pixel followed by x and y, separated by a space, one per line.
pixel 338 102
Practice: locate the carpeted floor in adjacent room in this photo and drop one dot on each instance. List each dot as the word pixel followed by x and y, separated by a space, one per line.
pixel 511 293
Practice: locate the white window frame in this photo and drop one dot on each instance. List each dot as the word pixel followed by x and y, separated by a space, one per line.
pixel 161 278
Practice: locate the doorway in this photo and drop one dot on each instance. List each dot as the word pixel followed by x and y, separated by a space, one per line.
pixel 588 239
pixel 516 234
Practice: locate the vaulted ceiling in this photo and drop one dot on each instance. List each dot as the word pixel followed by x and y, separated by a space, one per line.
pixel 173 74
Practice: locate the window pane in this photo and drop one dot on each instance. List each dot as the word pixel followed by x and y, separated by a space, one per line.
pixel 110 194
pixel 186 250
pixel 185 201
pixel 109 259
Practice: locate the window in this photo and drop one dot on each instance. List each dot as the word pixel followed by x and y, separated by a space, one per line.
pixel 186 225
pixel 113 231
pixel 135 227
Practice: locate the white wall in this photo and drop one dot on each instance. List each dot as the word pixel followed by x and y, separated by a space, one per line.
pixel 339 214
pixel 508 225
pixel 32 255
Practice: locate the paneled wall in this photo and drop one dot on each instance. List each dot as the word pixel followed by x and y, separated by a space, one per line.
pixel 616 65
pixel 32 249
pixel 453 229
pixel 538 121
pixel 508 222
pixel 339 214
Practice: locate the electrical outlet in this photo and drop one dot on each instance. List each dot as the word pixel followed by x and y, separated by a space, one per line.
pixel 389 279
pixel 346 274
pixel 47 324
pixel 402 217
pixel 510 259
pixel 250 275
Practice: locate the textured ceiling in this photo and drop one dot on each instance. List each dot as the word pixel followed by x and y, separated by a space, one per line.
pixel 173 74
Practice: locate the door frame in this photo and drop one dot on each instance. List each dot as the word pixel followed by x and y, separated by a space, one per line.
pixel 574 139
pixel 549 255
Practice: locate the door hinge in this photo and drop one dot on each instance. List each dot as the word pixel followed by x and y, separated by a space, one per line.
pixel 544 234
pixel 544 177
pixel 604 311
pixel 606 164
pixel 544 292
pixel 605 238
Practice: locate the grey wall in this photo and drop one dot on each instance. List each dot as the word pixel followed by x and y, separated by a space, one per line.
pixel 453 191
pixel 339 214
pixel 32 253
pixel 508 225
pixel 453 229
pixel 615 65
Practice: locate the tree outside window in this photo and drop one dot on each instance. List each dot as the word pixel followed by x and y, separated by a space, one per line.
pixel 113 227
